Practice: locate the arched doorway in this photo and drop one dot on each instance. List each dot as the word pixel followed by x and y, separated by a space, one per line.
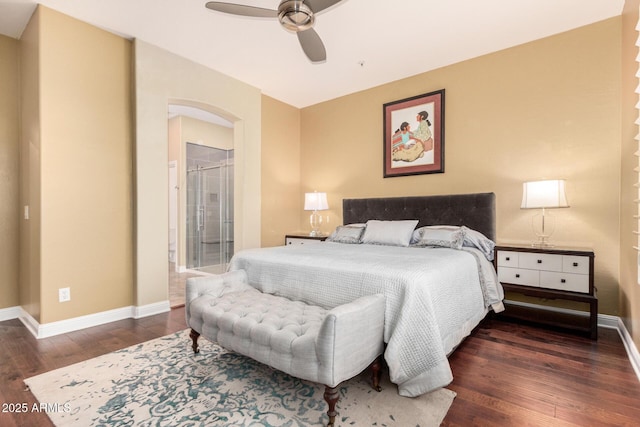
pixel 201 194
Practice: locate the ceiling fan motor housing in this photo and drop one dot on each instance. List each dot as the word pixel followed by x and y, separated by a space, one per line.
pixel 294 15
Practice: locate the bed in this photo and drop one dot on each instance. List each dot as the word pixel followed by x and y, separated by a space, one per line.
pixel 437 288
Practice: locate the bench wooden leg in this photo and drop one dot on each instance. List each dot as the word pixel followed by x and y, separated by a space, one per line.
pixel 376 373
pixel 331 396
pixel 194 337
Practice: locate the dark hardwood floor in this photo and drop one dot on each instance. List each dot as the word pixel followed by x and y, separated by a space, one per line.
pixel 505 374
pixel 22 356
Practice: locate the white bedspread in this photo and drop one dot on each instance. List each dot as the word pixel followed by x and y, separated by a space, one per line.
pixel 434 296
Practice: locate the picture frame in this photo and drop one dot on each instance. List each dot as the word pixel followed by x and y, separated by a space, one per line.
pixel 414 135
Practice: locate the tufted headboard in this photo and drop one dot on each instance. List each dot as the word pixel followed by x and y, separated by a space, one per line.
pixel 476 211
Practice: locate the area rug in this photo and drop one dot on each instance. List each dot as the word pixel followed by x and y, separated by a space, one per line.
pixel 163 383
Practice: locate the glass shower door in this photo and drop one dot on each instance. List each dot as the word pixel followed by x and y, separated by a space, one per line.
pixel 210 216
pixel 226 211
pixel 194 219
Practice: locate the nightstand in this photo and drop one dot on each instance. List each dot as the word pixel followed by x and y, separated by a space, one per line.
pixel 549 273
pixel 303 239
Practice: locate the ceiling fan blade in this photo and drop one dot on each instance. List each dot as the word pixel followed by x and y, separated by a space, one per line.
pixel 320 5
pixel 241 9
pixel 312 45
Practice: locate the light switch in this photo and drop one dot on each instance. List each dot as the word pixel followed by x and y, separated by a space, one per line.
pixel 26 212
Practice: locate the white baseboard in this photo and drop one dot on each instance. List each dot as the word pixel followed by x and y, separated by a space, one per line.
pixel 74 324
pixel 629 345
pixel 151 309
pixel 604 321
pixel 29 322
pixel 9 313
pixel 70 325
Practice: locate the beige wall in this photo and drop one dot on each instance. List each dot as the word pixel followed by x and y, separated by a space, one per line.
pixel 282 201
pixel 9 172
pixel 30 297
pixel 629 287
pixel 85 168
pixel 162 78
pixel 175 130
pixel 546 109
pixel 204 133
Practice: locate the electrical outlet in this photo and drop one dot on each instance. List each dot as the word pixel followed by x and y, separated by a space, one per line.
pixel 64 294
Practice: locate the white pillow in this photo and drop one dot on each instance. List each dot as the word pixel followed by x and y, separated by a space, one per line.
pixel 445 236
pixel 392 233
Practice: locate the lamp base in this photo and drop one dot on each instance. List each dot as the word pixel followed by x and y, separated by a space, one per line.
pixel 316 221
pixel 542 245
pixel 542 242
pixel 543 225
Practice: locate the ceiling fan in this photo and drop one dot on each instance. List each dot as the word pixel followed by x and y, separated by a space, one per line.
pixel 294 15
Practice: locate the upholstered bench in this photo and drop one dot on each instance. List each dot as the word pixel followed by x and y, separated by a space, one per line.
pixel 302 340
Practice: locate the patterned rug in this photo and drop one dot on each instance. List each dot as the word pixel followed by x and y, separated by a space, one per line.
pixel 163 383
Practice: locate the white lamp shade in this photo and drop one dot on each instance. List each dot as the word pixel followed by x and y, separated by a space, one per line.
pixel 315 201
pixel 544 194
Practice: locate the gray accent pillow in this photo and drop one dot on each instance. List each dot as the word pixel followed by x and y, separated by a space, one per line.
pixel 446 236
pixel 476 239
pixel 347 234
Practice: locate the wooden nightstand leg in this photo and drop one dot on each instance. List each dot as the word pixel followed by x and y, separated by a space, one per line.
pixel 594 319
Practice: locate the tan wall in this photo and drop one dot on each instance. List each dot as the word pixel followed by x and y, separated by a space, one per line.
pixel 9 172
pixel 282 201
pixel 175 130
pixel 204 133
pixel 86 168
pixel 159 81
pixel 629 287
pixel 30 298
pixel 175 125
pixel 546 109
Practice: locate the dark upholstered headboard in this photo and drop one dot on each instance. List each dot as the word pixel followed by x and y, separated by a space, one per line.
pixel 476 211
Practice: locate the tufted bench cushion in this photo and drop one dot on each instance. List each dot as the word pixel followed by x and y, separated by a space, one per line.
pixel 273 330
pixel 305 341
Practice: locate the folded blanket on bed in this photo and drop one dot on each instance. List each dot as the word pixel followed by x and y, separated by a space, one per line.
pixel 435 296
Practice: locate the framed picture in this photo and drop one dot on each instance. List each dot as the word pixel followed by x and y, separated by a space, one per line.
pixel 414 135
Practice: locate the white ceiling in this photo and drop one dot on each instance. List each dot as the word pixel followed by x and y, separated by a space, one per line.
pixel 368 42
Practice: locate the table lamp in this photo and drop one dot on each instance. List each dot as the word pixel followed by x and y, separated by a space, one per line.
pixel 547 194
pixel 315 202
